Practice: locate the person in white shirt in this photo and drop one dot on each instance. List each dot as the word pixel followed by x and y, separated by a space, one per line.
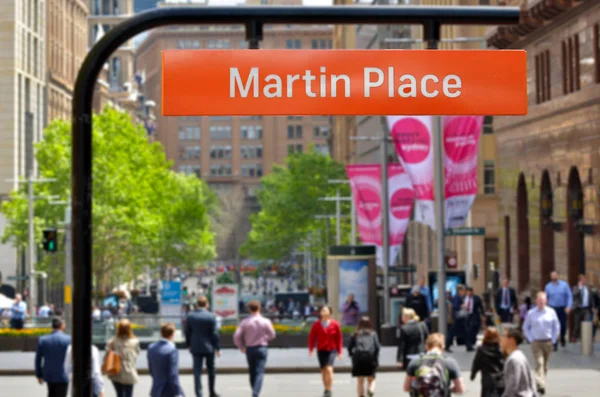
pixel 542 330
pixel 97 379
pixel 45 311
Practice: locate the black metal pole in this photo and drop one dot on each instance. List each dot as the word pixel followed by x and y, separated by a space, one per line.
pixel 82 113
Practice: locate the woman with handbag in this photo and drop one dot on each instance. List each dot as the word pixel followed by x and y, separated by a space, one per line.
pixel 413 334
pixel 120 359
pixel 490 361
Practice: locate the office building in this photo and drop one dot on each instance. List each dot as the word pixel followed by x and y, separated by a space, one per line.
pixel 548 160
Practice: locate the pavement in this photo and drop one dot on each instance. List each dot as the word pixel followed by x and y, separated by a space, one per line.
pixel 294 361
pixel 560 383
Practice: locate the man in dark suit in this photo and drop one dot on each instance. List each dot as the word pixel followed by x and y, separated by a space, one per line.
pixel 473 306
pixel 50 360
pixel 202 337
pixel 163 363
pixel 584 302
pixel 459 316
pixel 418 303
pixel 506 302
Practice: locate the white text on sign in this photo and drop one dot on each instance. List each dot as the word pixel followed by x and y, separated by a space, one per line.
pixel 324 85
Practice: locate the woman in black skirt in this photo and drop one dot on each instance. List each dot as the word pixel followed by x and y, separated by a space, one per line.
pixel 364 349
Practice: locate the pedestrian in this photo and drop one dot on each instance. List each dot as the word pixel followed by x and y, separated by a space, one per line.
pixel 413 334
pixel 433 374
pixel 163 364
pixel 326 335
pixel 583 305
pixel 202 337
pixel 506 302
pixel 252 337
pixel 424 290
pixel 524 309
pixel 127 347
pixel 350 311
pixel 542 329
pixel 18 312
pixel 518 377
pixel 418 303
pixel 45 311
pixel 459 329
pixel 364 348
pixel 490 361
pixel 50 358
pixel 97 380
pixel 474 309
pixel 560 298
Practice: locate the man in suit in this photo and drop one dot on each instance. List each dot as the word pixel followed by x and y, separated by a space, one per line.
pixel 459 316
pixel 583 305
pixel 202 337
pixel 418 303
pixel 473 306
pixel 506 302
pixel 50 360
pixel 163 363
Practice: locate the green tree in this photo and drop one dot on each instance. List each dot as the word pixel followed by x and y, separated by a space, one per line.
pixel 143 213
pixel 289 200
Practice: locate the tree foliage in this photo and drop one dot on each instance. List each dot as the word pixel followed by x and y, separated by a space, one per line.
pixel 143 213
pixel 289 201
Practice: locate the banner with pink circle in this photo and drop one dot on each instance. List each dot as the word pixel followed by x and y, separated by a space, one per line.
pixel 461 148
pixel 365 183
pixel 414 146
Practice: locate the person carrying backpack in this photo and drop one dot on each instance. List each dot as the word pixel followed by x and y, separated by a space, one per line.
pixel 364 348
pixel 433 374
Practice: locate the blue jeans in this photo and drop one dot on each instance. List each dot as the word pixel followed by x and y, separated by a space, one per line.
pixel 210 368
pixel 562 319
pixel 123 390
pixel 257 360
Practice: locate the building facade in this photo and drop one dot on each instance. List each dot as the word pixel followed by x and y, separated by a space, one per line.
pixel 66 47
pixel 232 153
pixel 22 104
pixel 548 160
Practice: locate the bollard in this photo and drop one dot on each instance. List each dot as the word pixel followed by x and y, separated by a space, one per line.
pixel 587 343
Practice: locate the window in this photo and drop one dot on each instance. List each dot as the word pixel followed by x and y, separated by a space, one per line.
pixel 251 152
pixel 290 132
pixel 314 44
pixel 244 170
pixel 542 77
pixel 323 44
pixel 197 171
pixel 290 149
pixel 488 127
pixel 213 152
pixel 259 151
pixel 182 135
pixel 251 171
pixel 259 131
pixel 244 132
pixel 243 44
pixel 299 148
pixel 197 133
pixel 189 131
pixel 251 132
pixel 227 152
pixel 289 44
pixel 320 132
pixel 297 43
pixel 489 177
pixel 570 64
pixel 244 152
pixel 298 131
pixel 213 170
pixel 259 170
pixel 212 44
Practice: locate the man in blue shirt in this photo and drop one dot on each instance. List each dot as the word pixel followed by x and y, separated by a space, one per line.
pixel 50 360
pixel 18 311
pixel 560 298
pixel 424 290
pixel 542 329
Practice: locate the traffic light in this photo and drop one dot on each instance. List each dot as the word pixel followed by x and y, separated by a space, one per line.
pixel 50 240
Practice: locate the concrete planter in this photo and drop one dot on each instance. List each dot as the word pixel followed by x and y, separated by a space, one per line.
pixel 22 343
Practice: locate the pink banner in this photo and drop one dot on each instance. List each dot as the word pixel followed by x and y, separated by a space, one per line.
pixel 365 182
pixel 461 147
pixel 402 197
pixel 414 146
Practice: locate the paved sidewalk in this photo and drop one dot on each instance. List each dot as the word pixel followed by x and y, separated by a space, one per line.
pixel 295 360
pixel 561 383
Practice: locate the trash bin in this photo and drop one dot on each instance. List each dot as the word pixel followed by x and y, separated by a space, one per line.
pixel 587 342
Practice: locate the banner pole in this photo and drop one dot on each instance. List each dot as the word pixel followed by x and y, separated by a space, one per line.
pixel 432 35
pixel 385 233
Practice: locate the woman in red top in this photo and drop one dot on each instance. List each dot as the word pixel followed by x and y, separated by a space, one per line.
pixel 326 334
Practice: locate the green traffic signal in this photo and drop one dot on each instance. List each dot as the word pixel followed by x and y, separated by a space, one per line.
pixel 50 237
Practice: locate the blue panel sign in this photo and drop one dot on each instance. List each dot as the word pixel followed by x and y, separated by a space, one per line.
pixel 171 292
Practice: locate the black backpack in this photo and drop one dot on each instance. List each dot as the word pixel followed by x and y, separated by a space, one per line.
pixel 365 347
pixel 431 377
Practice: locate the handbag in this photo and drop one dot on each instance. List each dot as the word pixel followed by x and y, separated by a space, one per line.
pixel 112 364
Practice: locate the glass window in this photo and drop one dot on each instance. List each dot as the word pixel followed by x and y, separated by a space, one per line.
pixel 316 132
pixel 251 152
pixel 299 148
pixel 212 44
pixel 227 152
pixel 290 132
pixel 489 177
pixel 228 169
pixel 213 152
pixel 289 44
pixel 251 170
pixel 323 43
pixel 197 133
pixel 298 43
pixel 197 171
pixel 213 170
pixel 298 131
pixel 182 135
pixel 314 44
pixel 213 132
pixel 488 127
pixel 244 131
pixel 243 44
pixel 259 151
pixel 259 170
pixel 243 152
pixel 220 152
pixel 259 131
pixel 290 149
pixel 244 170
pixel 189 133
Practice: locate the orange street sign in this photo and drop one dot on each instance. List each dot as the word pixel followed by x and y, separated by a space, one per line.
pixel 344 82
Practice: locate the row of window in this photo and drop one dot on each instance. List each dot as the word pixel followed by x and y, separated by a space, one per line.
pixel 220 152
pixel 220 170
pixel 251 131
pixel 189 134
pixel 252 170
pixel 191 152
pixel 251 152
pixel 489 177
pixel 580 65
pixel 295 149
pixel 212 44
pixel 190 169
pixel 247 170
pixel 315 44
pixel 220 132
